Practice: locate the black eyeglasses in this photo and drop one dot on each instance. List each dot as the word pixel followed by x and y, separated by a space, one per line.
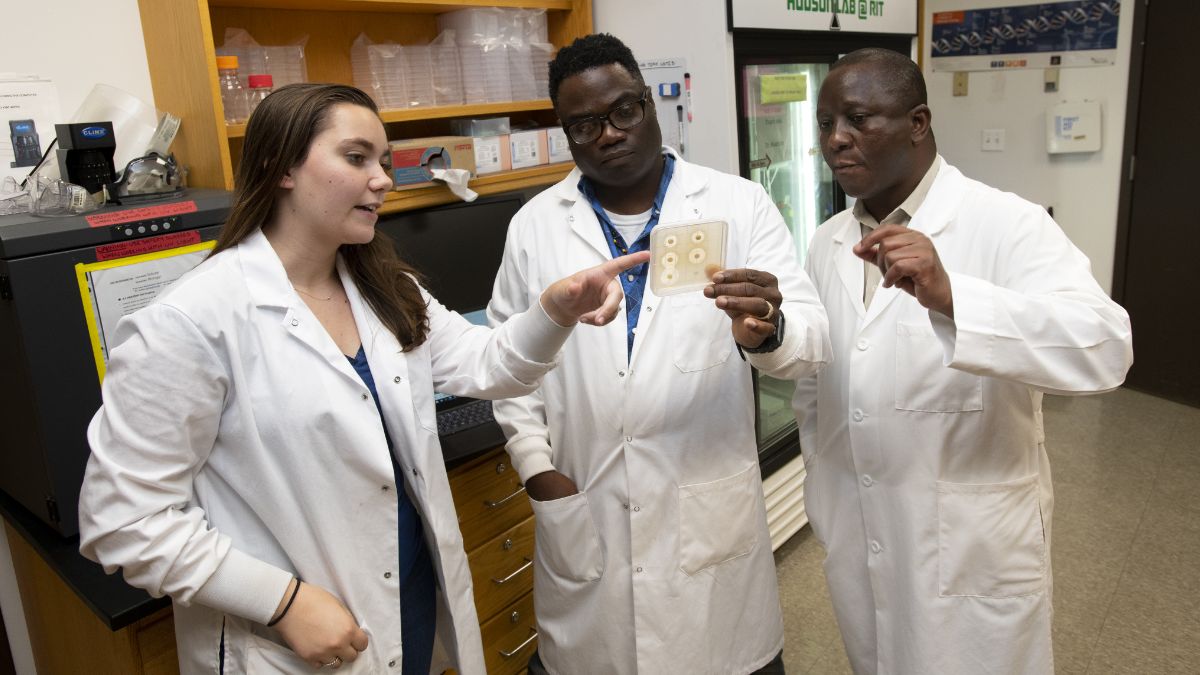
pixel 624 117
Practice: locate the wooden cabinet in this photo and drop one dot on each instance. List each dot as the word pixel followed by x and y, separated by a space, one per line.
pixel 498 532
pixel 181 38
pixel 66 636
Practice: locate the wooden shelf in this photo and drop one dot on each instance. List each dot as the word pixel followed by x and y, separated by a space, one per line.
pixel 441 112
pixel 405 6
pixel 495 183
pixel 182 36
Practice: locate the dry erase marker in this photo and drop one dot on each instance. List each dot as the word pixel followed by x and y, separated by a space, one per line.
pixel 679 113
pixel 687 88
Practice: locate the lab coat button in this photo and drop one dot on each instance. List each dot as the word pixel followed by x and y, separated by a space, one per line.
pixel 391 664
pixel 876 547
pixel 639 570
pixel 867 481
pixel 637 508
pixel 416 473
pixel 387 575
pixel 863 344
pixel 629 439
pixel 365 397
pixel 621 373
pixel 625 506
pixel 385 488
pixel 858 415
pixel 649 308
pixel 295 322
pixel 397 379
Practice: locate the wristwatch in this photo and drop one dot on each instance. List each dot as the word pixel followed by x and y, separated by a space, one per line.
pixel 770 344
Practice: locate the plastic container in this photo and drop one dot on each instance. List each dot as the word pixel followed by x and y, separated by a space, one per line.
pixel 260 87
pixel 684 256
pixel 484 126
pixel 233 97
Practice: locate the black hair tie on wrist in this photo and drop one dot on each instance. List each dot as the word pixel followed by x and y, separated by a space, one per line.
pixel 295 592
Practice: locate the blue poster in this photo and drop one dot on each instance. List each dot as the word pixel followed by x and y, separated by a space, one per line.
pixel 1079 25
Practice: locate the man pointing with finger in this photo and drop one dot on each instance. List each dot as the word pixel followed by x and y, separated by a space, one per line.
pixel 953 307
pixel 639 455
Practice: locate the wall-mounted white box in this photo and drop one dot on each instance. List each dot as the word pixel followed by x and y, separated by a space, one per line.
pixel 1073 127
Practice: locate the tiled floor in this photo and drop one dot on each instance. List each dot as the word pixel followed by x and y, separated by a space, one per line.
pixel 1126 550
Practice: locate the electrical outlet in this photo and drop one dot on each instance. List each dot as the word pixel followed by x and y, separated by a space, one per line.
pixel 993 140
pixel 960 83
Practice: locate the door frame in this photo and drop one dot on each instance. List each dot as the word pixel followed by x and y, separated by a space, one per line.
pixel 1129 151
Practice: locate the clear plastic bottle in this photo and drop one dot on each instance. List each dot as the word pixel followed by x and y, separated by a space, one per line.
pixel 260 88
pixel 233 96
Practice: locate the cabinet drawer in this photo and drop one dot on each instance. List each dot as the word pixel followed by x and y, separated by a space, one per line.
pixel 502 569
pixel 489 498
pixel 510 638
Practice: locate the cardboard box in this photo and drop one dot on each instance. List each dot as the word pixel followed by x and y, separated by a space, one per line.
pixel 492 154
pixel 556 140
pixel 529 148
pixel 414 159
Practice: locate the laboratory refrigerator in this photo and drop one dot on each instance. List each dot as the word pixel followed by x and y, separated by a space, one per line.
pixel 778 75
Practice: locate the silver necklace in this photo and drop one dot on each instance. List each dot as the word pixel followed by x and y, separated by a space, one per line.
pixel 330 297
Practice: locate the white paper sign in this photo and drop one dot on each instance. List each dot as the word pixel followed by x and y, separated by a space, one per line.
pixel 851 16
pixel 28 112
pixel 118 291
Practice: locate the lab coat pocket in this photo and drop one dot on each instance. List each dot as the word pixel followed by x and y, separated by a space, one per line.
pixel 566 539
pixel 718 520
pixel 701 334
pixel 990 539
pixel 923 384
pixel 264 656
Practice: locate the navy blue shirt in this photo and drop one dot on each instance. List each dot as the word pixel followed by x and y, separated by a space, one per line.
pixel 633 281
pixel 418 583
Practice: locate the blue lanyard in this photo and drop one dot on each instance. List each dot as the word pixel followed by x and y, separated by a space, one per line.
pixel 633 281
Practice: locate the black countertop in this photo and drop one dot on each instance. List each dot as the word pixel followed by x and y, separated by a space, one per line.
pixel 116 603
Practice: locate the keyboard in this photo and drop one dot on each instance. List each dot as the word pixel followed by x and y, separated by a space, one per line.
pixel 464 417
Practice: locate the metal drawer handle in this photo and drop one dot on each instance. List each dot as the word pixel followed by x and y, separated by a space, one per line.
pixel 523 645
pixel 492 505
pixel 505 580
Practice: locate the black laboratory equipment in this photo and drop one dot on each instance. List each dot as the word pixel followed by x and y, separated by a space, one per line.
pixel 50 388
pixel 27 148
pixel 85 154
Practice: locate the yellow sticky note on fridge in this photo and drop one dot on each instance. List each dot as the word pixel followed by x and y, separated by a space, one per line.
pixel 783 88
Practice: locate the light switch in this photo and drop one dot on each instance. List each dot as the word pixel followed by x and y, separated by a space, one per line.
pixel 993 140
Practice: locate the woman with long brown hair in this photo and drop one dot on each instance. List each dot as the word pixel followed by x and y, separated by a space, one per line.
pixel 267 451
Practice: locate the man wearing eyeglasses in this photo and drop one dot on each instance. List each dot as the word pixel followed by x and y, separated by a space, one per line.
pixel 639 452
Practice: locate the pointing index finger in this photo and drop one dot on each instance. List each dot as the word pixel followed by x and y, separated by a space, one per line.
pixel 617 265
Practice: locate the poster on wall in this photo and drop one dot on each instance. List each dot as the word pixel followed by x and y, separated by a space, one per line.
pixel 1039 35
pixel 851 16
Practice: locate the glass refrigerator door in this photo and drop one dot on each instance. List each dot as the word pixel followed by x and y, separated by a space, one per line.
pixel 784 155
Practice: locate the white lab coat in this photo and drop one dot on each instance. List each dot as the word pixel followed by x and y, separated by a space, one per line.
pixel 928 481
pixel 662 563
pixel 237 446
